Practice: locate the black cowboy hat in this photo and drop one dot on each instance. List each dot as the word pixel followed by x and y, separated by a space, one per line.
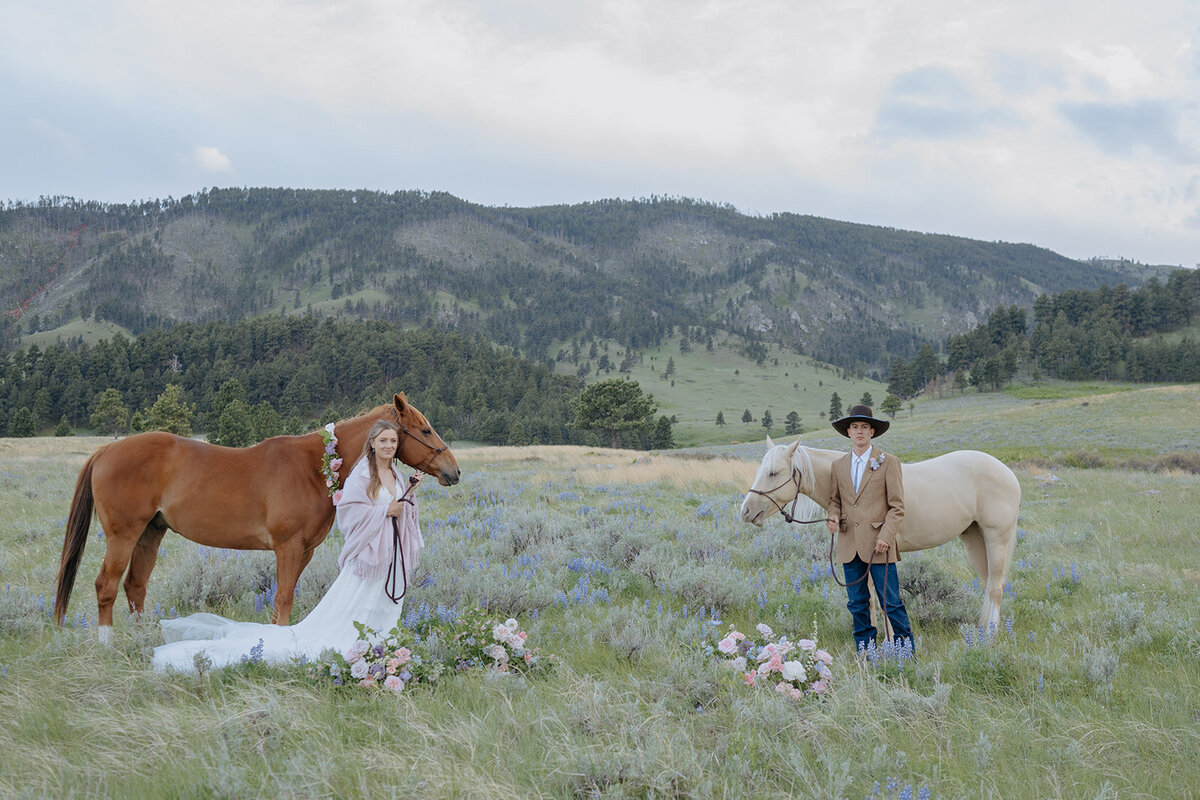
pixel 860 413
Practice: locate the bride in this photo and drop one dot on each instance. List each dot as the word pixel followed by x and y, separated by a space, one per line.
pixel 365 589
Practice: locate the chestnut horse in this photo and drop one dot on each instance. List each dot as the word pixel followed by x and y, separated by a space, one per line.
pixel 271 496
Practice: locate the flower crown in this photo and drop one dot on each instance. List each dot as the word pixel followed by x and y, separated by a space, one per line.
pixel 331 463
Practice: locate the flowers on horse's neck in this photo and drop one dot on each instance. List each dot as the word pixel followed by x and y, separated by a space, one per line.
pixel 331 463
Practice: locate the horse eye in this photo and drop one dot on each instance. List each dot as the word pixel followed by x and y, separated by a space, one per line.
pixel 772 474
pixel 427 431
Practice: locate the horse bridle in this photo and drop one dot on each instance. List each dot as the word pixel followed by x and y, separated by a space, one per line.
pixel 434 451
pixel 796 477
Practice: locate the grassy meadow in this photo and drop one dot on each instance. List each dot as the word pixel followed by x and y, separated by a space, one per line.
pixel 620 564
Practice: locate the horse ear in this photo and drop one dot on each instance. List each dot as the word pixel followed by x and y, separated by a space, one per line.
pixel 792 447
pixel 401 400
pixel 770 444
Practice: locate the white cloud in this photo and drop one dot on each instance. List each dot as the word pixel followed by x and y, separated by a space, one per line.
pixel 1072 124
pixel 210 159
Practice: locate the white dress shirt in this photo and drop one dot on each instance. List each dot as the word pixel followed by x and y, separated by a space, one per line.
pixel 858 465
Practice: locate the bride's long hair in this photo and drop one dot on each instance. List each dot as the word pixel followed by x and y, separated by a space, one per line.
pixel 368 452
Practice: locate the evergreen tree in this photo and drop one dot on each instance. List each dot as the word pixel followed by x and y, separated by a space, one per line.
pixel 747 417
pixel 891 405
pixel 613 407
pixel 110 413
pixel 767 420
pixel 22 424
pixel 170 413
pixel 63 428
pixel 662 438
pixel 867 400
pixel 720 418
pixel 234 428
pixel 835 407
pixel 792 425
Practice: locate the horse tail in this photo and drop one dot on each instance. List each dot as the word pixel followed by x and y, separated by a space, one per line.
pixel 78 522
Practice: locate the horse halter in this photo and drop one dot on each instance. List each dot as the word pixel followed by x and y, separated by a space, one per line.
pixel 435 451
pixel 781 508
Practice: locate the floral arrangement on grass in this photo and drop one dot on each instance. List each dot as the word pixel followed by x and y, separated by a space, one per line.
pixel 795 669
pixel 331 463
pixel 430 649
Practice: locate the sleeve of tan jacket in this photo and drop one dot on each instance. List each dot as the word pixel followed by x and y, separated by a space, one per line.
pixel 895 501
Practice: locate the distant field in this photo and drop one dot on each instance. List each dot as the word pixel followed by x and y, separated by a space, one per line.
pixel 705 383
pixel 620 563
pixel 91 331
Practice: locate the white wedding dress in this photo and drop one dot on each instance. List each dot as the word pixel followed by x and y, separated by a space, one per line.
pixel 358 594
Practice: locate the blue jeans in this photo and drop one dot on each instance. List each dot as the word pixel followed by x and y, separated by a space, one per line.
pixel 859 602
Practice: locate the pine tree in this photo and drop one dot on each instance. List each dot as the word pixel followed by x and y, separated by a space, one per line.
pixel 747 417
pixel 22 424
pixel 835 406
pixel 767 420
pixel 792 425
pixel 63 428
pixel 111 413
pixel 720 418
pixel 170 413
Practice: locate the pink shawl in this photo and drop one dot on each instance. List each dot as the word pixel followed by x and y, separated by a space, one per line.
pixel 368 530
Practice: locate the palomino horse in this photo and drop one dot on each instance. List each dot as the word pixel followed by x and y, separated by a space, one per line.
pixel 271 496
pixel 965 493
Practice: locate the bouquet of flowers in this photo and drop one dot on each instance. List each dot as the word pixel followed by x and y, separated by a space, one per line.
pixel 431 648
pixel 792 668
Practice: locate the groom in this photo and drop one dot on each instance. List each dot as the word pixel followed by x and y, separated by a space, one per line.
pixel 865 508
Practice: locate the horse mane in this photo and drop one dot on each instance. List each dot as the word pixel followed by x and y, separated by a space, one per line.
pixel 802 460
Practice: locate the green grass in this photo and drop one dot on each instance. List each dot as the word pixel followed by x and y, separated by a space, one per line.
pixel 90 330
pixel 705 383
pixel 1093 692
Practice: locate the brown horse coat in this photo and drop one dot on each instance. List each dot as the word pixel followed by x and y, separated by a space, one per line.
pixel 271 496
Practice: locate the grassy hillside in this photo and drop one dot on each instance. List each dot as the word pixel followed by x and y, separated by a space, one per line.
pixel 620 564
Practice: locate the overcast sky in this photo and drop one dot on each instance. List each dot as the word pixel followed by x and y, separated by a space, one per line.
pixel 1070 124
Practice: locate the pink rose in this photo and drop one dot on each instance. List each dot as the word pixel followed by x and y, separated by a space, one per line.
pixel 337 497
pixel 795 693
pixel 823 656
pixel 393 683
pixel 393 664
pixel 727 645
pixel 806 644
pixel 764 629
pixel 781 688
pixel 737 636
pixel 820 686
pixel 336 464
pixel 750 677
pixel 404 654
pixel 498 652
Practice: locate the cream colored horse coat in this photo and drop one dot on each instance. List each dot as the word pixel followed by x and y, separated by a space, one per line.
pixel 965 494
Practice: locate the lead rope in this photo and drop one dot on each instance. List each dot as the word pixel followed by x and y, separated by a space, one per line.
pixel 790 517
pixel 397 552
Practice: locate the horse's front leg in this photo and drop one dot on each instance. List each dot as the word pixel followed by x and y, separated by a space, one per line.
pixel 290 559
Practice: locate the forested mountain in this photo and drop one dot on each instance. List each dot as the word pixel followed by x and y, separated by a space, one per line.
pixel 544 282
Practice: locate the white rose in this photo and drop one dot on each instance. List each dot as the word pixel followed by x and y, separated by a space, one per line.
pixel 359 669
pixel 793 671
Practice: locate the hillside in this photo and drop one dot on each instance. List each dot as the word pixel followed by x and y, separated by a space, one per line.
pixel 540 280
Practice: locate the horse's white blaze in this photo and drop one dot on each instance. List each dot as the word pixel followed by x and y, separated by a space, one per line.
pixel 965 494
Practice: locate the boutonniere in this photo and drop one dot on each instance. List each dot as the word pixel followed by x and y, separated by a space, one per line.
pixel 875 463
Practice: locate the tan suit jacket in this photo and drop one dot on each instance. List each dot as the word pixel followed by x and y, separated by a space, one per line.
pixel 873 512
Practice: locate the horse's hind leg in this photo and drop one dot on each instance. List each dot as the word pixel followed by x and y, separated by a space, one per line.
pixel 977 554
pixel 145 555
pixel 117 552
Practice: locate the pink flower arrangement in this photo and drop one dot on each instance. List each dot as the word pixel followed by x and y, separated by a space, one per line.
pixel 431 648
pixel 794 669
pixel 331 463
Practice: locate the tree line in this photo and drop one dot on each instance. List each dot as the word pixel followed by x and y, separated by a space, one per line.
pixel 244 381
pixel 1109 333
